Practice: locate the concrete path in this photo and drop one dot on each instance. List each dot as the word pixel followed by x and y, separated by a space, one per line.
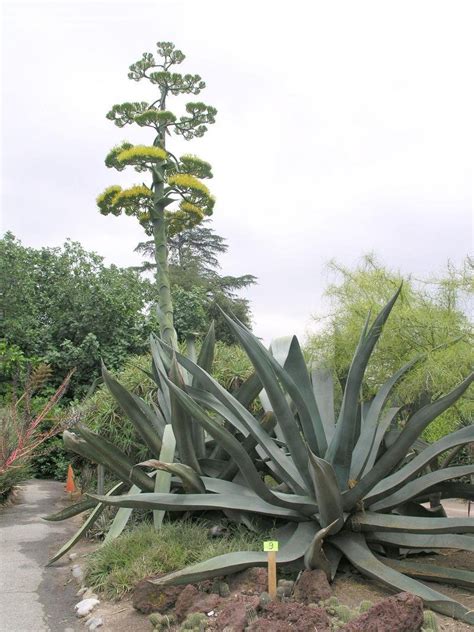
pixel 34 598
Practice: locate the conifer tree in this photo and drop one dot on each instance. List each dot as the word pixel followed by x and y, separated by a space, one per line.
pixel 176 197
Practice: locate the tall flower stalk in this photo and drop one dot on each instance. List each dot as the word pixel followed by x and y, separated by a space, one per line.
pixel 176 198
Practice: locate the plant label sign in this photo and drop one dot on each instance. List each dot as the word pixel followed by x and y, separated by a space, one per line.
pixel 271 548
pixel 270 545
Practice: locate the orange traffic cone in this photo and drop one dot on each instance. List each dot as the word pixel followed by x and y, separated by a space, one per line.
pixel 70 485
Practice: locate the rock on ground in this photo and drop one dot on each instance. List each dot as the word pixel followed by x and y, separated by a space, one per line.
pixel 400 613
pixel 312 587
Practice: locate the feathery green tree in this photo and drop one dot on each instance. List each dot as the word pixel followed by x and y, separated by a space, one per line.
pixel 177 197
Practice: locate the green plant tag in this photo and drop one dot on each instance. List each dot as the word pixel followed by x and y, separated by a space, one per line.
pixel 270 545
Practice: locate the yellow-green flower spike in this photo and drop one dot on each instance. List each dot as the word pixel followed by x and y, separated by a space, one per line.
pixel 133 200
pixel 192 209
pixel 133 194
pixel 186 181
pixel 141 153
pixel 105 201
pixel 111 158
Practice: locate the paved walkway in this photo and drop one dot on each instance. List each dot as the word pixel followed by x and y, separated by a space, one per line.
pixel 34 598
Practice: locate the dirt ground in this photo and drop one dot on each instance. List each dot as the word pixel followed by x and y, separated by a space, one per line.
pixel 350 588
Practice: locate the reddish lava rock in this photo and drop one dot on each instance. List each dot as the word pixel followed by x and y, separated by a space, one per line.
pixel 148 598
pixel 192 600
pixel 233 614
pixel 312 587
pixel 252 581
pixel 400 613
pixel 277 616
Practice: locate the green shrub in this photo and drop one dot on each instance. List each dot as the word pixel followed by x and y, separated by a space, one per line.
pixel 12 477
pixel 52 461
pixel 116 567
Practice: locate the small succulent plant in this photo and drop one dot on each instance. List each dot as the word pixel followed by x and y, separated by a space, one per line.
pixel 161 622
pixel 430 622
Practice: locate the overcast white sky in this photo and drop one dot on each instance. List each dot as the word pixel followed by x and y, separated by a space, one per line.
pixel 343 127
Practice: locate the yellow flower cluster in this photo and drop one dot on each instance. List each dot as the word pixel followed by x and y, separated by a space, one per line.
pixel 105 201
pixel 108 195
pixel 186 181
pixel 115 199
pixel 140 153
pixel 137 191
pixel 192 209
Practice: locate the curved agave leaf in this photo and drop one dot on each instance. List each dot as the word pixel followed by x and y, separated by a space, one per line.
pixel 432 573
pixel 120 466
pixel 315 556
pixel 230 563
pixel 121 519
pixel 182 422
pixel 365 444
pixel 205 361
pixel 334 557
pixel 412 508
pixel 339 452
pixel 233 447
pixel 206 354
pixel 400 477
pixel 114 459
pixel 73 510
pixel 355 548
pixel 143 418
pixel 422 541
pixel 161 364
pixel 384 423
pixel 220 486
pixel 449 490
pixel 163 477
pixel 261 360
pixel 210 402
pixel 191 481
pixel 414 427
pixel 249 443
pixel 323 390
pixel 84 527
pixel 194 502
pixel 327 492
pixel 287 353
pixel 371 521
pixel 256 434
pixel 284 465
pixel 416 487
pixel 249 390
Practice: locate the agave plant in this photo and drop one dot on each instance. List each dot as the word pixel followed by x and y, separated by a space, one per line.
pixel 345 486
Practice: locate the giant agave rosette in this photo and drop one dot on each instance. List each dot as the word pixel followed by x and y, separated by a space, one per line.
pixel 343 489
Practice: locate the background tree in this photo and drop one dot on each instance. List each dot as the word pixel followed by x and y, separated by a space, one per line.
pixel 63 306
pixel 176 197
pixel 197 287
pixel 429 318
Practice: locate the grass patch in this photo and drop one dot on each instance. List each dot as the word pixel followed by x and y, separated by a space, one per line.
pixel 115 568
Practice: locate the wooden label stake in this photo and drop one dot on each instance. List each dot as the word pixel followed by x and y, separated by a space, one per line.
pixel 271 547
